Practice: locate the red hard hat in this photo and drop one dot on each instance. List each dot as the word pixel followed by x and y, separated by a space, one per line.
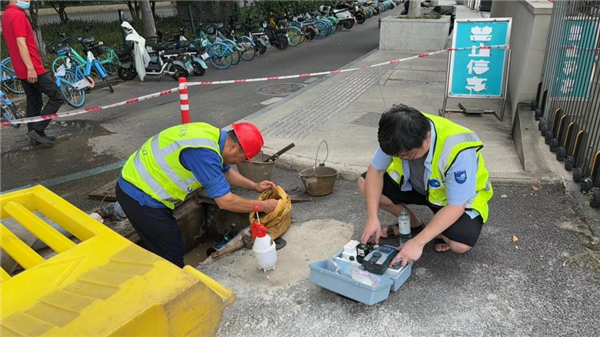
pixel 250 138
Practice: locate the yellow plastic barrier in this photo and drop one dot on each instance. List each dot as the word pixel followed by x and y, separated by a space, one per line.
pixel 102 286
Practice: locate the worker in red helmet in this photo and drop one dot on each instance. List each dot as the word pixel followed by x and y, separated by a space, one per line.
pixel 180 160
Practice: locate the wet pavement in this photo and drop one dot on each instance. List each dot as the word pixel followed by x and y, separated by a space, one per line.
pixel 90 146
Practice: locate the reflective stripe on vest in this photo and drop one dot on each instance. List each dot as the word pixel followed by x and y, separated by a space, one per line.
pixel 161 154
pixel 157 170
pixel 449 145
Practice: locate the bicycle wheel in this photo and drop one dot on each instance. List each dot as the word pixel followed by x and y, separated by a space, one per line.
pixel 294 36
pixel 219 55
pixel 62 60
pixel 249 49
pixel 302 37
pixel 322 29
pixel 9 78
pixel 333 22
pixel 310 34
pixel 109 60
pixel 73 97
pixel 9 112
pixel 234 50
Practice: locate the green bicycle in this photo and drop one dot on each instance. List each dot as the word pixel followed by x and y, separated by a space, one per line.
pixel 106 55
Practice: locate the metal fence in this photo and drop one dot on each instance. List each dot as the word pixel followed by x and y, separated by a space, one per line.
pixel 103 15
pixel 569 92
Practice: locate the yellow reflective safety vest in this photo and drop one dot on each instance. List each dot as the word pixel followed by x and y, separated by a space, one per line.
pixel 156 169
pixel 451 139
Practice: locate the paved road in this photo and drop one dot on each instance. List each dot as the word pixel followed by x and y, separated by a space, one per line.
pixel 545 284
pixel 106 137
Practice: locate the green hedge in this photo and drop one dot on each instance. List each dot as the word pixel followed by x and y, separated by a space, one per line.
pixel 107 32
pixel 261 10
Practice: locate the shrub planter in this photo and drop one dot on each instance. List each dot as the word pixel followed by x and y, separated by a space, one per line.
pixel 417 35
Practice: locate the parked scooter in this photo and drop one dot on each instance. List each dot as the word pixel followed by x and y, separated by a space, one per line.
pixel 355 10
pixel 277 37
pixel 258 36
pixel 345 18
pixel 141 59
pixel 190 52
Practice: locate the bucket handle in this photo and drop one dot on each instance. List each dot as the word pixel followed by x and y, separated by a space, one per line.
pixel 317 156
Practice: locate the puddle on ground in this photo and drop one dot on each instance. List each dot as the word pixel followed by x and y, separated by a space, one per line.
pixel 23 164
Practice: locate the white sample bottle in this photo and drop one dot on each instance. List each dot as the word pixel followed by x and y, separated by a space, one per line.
pixel 264 247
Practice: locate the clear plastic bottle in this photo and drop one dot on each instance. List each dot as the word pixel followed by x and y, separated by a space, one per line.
pixel 404 226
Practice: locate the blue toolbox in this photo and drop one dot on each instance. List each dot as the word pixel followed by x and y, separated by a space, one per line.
pixel 343 274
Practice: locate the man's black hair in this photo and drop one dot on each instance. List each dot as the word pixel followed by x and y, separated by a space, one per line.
pixel 233 136
pixel 402 129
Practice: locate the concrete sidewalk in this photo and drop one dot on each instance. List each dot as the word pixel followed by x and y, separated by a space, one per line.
pixel 344 110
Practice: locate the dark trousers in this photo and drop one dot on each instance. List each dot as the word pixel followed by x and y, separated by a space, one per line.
pixel 156 227
pixel 44 85
pixel 465 230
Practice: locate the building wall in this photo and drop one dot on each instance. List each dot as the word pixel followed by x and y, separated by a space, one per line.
pixel 529 34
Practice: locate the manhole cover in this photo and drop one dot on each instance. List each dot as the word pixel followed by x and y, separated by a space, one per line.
pixel 282 89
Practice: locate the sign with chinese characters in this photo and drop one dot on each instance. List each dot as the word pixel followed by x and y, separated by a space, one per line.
pixel 575 61
pixel 477 68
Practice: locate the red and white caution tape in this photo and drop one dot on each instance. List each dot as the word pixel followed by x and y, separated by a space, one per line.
pixel 249 80
pixel 83 111
pixel 333 72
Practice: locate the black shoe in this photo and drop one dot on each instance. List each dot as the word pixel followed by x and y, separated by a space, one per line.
pixel 40 139
pixel 36 143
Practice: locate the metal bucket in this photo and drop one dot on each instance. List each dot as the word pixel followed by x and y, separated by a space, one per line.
pixel 258 170
pixel 319 180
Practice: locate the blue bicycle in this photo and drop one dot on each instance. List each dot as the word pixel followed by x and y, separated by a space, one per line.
pixel 72 80
pixel 8 78
pixel 9 111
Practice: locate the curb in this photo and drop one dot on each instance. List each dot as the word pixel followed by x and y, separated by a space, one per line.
pixel 352 172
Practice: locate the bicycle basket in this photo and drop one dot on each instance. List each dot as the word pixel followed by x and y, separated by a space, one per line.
pixel 123 52
pixel 98 50
pixel 152 40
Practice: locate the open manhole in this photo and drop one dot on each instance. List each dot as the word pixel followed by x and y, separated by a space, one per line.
pixel 280 89
pixel 203 225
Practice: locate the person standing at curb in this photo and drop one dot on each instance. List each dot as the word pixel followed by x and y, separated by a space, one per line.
pixel 27 63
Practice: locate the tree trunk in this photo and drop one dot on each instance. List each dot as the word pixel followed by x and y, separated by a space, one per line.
pixel 60 8
pixel 134 9
pixel 33 12
pixel 414 10
pixel 149 25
